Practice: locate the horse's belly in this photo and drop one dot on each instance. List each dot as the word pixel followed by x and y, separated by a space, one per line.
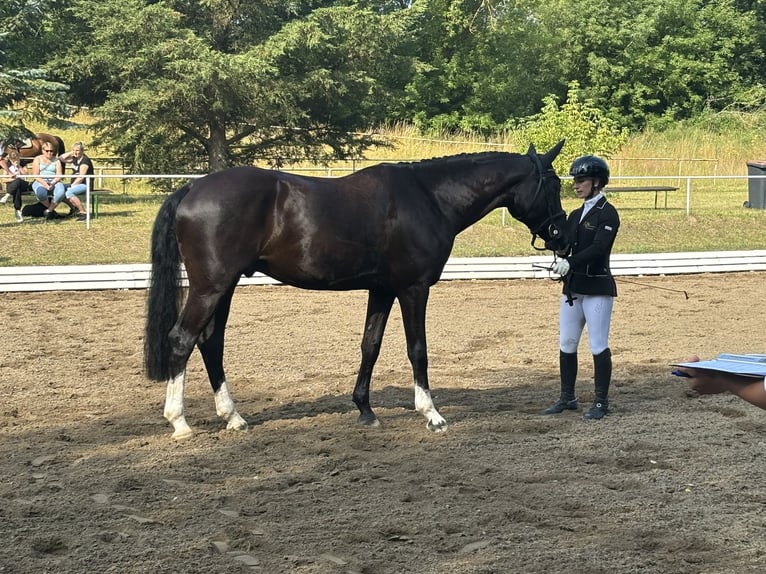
pixel 321 277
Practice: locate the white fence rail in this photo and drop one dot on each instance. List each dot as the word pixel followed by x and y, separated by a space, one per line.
pixel 136 276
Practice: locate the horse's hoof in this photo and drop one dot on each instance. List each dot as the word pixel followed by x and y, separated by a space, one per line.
pixel 439 426
pixel 368 421
pixel 236 422
pixel 182 434
pixel 181 428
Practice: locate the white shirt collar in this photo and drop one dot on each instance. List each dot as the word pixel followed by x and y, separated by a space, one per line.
pixel 589 203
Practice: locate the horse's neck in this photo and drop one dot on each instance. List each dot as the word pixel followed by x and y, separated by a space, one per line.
pixel 467 199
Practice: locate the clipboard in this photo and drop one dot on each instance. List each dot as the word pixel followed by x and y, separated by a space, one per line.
pixel 746 365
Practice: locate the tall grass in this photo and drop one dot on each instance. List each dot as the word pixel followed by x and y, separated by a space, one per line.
pixel 717 221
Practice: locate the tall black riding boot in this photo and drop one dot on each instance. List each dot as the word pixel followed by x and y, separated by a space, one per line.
pixel 602 375
pixel 568 372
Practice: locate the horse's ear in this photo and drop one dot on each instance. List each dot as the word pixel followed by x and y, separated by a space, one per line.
pixel 531 149
pixel 552 153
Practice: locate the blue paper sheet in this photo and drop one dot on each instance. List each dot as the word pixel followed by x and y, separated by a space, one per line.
pixel 750 365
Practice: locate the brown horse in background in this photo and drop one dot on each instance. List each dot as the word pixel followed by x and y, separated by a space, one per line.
pixel 30 148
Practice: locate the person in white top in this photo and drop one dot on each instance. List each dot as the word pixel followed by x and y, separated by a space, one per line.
pixel 49 172
pixel 15 185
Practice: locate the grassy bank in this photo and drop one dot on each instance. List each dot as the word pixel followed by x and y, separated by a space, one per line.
pixel 717 221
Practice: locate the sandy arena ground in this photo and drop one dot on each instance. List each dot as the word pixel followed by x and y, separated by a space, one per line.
pixel 668 483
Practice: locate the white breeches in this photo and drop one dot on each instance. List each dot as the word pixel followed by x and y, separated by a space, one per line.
pixel 596 311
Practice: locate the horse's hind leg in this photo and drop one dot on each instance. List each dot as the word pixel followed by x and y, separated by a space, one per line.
pixel 195 316
pixel 211 347
pixel 174 406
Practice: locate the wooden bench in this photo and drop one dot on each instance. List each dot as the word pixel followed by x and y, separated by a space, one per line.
pixel 655 188
pixel 94 201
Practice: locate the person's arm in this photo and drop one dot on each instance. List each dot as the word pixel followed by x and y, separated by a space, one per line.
pixel 59 173
pixel 707 382
pixel 83 170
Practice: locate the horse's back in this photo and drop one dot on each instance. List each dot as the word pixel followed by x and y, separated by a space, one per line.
pixel 312 232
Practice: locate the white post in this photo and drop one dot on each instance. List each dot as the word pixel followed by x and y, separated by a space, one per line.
pixel 688 195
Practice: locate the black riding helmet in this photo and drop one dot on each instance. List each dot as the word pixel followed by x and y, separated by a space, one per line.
pixel 590 166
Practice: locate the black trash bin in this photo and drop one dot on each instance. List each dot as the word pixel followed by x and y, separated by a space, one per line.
pixel 756 186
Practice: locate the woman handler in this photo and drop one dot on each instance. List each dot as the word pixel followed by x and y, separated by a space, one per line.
pixel 589 287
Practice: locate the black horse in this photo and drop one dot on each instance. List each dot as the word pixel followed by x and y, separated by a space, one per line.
pixel 388 229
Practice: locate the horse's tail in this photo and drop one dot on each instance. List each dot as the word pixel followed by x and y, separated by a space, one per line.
pixel 60 145
pixel 164 296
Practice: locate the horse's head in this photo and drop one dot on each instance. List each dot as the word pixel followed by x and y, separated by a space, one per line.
pixel 540 206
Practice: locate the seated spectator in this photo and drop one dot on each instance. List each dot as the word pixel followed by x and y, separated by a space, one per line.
pixel 49 172
pixel 15 185
pixel 5 172
pixel 81 166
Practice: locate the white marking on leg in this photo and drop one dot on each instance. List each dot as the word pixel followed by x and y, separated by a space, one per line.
pixel 224 407
pixel 425 406
pixel 174 406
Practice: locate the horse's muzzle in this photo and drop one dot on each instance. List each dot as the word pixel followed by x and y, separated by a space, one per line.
pixel 556 240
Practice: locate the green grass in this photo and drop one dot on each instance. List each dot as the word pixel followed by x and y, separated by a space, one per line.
pixel 717 222
pixel 121 233
pixel 643 229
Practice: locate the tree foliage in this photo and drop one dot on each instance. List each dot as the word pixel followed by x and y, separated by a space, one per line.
pixel 650 61
pixel 584 127
pixel 264 79
pixel 212 83
pixel 481 63
pixel 26 91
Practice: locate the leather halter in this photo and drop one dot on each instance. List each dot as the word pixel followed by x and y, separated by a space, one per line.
pixel 554 231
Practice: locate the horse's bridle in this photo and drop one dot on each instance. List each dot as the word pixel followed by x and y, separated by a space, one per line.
pixel 554 231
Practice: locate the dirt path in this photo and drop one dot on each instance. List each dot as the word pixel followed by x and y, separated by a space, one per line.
pixel 668 483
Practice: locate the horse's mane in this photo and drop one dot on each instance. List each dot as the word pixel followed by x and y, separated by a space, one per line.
pixel 449 160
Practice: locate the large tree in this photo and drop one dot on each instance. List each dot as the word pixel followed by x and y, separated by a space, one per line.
pixel 213 83
pixel 26 92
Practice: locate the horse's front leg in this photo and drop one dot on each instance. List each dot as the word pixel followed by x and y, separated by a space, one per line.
pixel 224 408
pixel 378 309
pixel 413 304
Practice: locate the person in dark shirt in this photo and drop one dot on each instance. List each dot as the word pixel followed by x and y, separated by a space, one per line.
pixel 82 166
pixel 589 287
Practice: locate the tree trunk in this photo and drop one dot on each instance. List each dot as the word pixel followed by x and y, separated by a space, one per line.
pixel 218 149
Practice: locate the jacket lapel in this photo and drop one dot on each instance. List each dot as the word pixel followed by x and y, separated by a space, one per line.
pixel 599 206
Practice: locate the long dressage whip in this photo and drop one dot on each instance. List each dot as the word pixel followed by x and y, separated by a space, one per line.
pixel 621 280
